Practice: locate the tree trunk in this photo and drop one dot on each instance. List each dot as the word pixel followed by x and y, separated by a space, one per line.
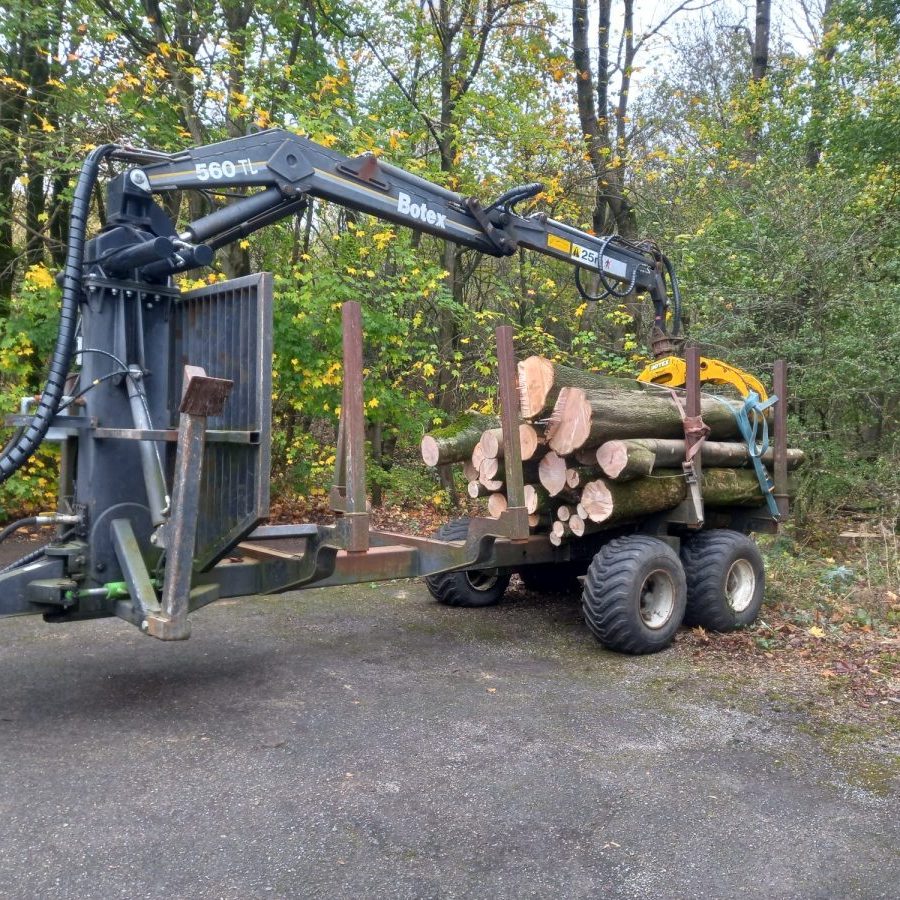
pixel 588 418
pixel 760 64
pixel 529 442
pixel 611 502
pixel 456 441
pixel 540 381
pixel 623 460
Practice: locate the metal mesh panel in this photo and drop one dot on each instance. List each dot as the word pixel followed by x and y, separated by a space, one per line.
pixel 227 329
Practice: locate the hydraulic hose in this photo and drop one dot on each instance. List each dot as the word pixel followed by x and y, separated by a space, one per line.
pixel 18 452
pixel 15 526
pixel 41 519
pixel 676 296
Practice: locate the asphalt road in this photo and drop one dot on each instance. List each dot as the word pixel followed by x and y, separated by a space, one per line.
pixel 366 742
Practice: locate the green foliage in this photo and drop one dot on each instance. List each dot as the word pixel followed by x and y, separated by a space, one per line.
pixel 777 200
pixel 26 338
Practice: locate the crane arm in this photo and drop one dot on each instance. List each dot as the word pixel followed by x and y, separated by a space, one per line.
pixel 289 168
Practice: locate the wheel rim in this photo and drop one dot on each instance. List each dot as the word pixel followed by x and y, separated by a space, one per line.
pixel 482 579
pixel 657 599
pixel 740 585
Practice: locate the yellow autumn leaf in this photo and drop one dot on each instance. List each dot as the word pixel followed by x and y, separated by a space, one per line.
pixel 816 632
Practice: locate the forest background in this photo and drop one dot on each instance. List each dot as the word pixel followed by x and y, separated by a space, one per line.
pixel 761 150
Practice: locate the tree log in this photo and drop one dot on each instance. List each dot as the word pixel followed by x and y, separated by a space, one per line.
pixel 564 513
pixel 537 499
pixel 476 489
pixel 495 470
pixel 496 505
pixel 456 441
pixel 470 472
pixel 540 381
pixel 529 441
pixel 581 525
pixel 478 454
pixel 587 418
pixel 610 502
pixel 552 473
pixel 578 477
pixel 539 521
pixel 626 459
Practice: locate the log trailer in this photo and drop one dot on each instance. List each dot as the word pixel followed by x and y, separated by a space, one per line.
pixel 165 427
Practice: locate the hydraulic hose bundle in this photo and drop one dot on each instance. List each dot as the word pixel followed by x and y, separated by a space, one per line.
pixel 19 451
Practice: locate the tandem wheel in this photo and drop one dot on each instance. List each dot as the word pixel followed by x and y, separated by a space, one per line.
pixel 634 594
pixel 725 579
pixel 472 587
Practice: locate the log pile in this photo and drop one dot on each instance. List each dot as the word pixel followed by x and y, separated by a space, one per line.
pixel 598 451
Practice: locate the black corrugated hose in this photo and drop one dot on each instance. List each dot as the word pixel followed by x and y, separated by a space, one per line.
pixel 18 452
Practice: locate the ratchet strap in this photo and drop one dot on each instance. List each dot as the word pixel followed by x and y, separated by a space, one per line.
pixel 696 431
pixel 754 428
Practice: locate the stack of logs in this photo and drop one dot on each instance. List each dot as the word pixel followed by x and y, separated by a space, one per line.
pixel 598 451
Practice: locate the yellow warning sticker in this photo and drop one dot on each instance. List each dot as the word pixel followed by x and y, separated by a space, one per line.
pixel 558 243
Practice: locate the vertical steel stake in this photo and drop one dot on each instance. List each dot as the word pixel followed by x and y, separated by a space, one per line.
pixel 693 466
pixel 202 397
pixel 516 514
pixel 353 414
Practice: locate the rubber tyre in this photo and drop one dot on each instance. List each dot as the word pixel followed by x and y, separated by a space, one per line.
pixel 634 595
pixel 552 578
pixel 725 579
pixel 472 588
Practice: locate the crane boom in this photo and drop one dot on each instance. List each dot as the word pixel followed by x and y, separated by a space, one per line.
pixel 289 168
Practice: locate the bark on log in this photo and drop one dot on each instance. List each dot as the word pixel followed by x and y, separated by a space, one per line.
pixel 470 472
pixel 581 525
pixel 578 477
pixel 588 418
pixel 540 381
pixel 537 499
pixel 622 460
pixel 456 441
pixel 529 441
pixel 539 521
pixel 610 502
pixel 495 470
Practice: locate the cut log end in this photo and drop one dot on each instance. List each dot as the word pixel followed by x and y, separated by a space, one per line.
pixel 535 382
pixel 552 473
pixel 497 504
pixel 570 422
pixel 431 452
pixel 597 501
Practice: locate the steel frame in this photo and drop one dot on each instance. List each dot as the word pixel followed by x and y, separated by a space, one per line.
pixel 277 558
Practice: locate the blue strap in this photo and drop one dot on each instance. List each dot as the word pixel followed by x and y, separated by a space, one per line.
pixel 751 420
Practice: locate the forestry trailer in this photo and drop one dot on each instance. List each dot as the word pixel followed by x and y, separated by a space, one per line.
pixel 161 403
